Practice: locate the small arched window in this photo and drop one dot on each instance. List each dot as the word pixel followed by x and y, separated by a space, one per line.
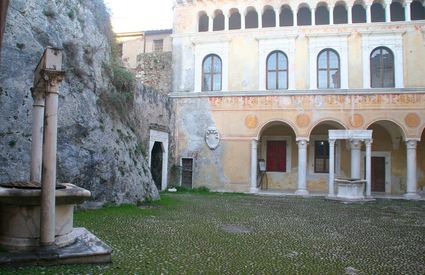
pixel 211 73
pixel 277 71
pixel 328 70
pixel 203 21
pixel 382 68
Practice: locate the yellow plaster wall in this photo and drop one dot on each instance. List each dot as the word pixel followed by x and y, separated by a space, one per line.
pixel 236 161
pixel 414 56
pixel 301 63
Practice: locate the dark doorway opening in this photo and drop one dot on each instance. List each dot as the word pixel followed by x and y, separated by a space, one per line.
pixel 187 172
pixel 378 174
pixel 156 164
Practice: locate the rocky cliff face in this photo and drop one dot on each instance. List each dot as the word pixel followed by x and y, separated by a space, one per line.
pixel 98 148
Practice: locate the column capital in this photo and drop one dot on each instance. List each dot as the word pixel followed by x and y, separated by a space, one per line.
pixel 37 93
pixel 53 78
pixel 331 141
pixel 355 144
pixel 368 142
pixel 411 144
pixel 302 143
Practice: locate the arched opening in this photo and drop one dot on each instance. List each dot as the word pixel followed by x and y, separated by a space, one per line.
pixel 340 13
pixel 211 73
pixel 318 156
pixel 358 13
pixel 397 11
pixel 269 17
pixel 234 20
pixel 328 70
pixel 251 18
pixel 377 12
pixel 277 71
pixel 417 10
pixel 322 14
pixel 286 16
pixel 218 22
pixel 388 158
pixel 382 68
pixel 203 22
pixel 156 164
pixel 304 16
pixel 278 151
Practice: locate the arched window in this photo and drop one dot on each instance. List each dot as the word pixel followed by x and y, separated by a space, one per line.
pixel 304 16
pixel 382 68
pixel 328 70
pixel 268 18
pixel 377 12
pixel 286 16
pixel 234 20
pixel 251 19
pixel 277 71
pixel 358 13
pixel 417 10
pixel 203 22
pixel 397 11
pixel 211 73
pixel 322 15
pixel 218 21
pixel 340 14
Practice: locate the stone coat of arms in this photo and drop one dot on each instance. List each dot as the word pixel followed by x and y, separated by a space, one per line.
pixel 212 138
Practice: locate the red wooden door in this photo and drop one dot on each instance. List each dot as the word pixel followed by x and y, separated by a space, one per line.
pixel 276 156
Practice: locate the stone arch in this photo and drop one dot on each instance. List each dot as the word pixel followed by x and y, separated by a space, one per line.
pixel 397 133
pixel 330 121
pixel 340 13
pixel 268 17
pixel 286 16
pixel 158 157
pixel 322 14
pixel 203 21
pixel 303 15
pixel 275 121
pixel 251 18
pixel 234 19
pixel 218 20
pixel 358 12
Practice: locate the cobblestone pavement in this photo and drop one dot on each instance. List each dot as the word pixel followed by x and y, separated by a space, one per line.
pixel 242 234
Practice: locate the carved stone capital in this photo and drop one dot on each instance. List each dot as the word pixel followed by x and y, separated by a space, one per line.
pixel 368 142
pixel 411 144
pixel 355 144
pixel 302 143
pixel 37 93
pixel 53 78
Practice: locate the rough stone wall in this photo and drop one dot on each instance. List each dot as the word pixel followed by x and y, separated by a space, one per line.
pixel 155 71
pixel 96 150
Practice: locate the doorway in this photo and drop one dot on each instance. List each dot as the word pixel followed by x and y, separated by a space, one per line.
pixel 378 174
pixel 156 164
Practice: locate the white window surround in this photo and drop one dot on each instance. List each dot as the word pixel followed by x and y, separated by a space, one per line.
pixel 266 45
pixel 393 40
pixel 387 156
pixel 288 139
pixel 162 137
pixel 335 41
pixel 220 49
pixel 314 138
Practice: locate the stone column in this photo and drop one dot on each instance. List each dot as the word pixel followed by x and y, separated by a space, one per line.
pixel 407 14
pixel 254 161
pixel 276 12
pixel 210 23
pixel 368 14
pixel 331 183
pixel 260 19
pixel 37 134
pixel 387 12
pixel 349 15
pixel 368 167
pixel 242 20
pixel 411 191
pixel 313 17
pixel 226 23
pixel 355 158
pixel 331 15
pixel 47 210
pixel 302 167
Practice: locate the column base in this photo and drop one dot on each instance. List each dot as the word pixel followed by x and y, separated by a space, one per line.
pixel 253 190
pixel 301 192
pixel 412 196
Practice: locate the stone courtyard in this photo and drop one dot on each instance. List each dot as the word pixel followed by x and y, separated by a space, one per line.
pixel 217 233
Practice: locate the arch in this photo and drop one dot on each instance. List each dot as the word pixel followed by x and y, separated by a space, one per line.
pixel 286 16
pixel 234 19
pixel 330 121
pixel 218 21
pixel 386 124
pixel 303 15
pixel 322 14
pixel 397 11
pixel 417 10
pixel 251 18
pixel 212 73
pixel 272 122
pixel 203 21
pixel 358 12
pixel 268 17
pixel 340 15
pixel 277 71
pixel 377 11
pixel 328 69
pixel 382 68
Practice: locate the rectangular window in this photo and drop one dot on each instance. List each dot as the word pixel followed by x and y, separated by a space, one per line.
pixel 321 156
pixel 276 156
pixel 158 45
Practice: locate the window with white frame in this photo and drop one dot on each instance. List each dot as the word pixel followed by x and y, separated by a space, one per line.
pixel 328 69
pixel 211 73
pixel 277 71
pixel 381 68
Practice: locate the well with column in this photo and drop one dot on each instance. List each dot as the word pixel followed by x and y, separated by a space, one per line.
pixel 36 216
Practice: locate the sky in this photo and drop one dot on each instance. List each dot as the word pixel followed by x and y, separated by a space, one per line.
pixel 140 15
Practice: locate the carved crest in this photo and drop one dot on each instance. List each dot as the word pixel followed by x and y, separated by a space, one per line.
pixel 212 138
